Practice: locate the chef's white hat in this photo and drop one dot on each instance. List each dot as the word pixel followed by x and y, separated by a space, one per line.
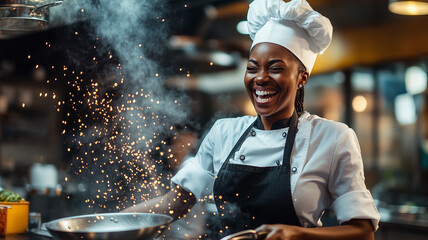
pixel 293 25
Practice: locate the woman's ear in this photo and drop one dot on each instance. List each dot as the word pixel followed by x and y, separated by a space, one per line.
pixel 303 78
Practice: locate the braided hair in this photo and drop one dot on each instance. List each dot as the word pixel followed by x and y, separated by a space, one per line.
pixel 298 103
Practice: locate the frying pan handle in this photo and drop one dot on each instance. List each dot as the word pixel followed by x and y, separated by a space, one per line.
pixel 262 234
pixel 248 234
pixel 52 4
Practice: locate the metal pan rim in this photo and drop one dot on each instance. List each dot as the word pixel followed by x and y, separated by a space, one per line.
pixel 53 222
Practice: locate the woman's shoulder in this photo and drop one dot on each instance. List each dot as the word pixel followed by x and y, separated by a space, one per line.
pixel 321 124
pixel 229 128
pixel 234 123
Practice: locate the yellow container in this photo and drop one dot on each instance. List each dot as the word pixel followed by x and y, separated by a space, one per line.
pixel 17 217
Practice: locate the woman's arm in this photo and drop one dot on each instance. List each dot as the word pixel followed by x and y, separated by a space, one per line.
pixel 355 229
pixel 175 203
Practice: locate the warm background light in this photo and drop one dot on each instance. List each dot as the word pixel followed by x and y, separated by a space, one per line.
pixel 408 7
pixel 359 104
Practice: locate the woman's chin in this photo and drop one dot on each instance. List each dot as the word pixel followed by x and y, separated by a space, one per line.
pixel 263 112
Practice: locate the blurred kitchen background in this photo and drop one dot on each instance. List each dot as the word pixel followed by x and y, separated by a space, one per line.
pixel 373 77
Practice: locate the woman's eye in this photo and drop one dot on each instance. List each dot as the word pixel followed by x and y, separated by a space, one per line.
pixel 251 69
pixel 276 69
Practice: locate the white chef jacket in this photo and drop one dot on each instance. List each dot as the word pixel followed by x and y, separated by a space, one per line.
pixel 326 166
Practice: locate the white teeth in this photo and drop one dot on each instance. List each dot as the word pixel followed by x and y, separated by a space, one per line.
pixel 263 100
pixel 264 96
pixel 263 93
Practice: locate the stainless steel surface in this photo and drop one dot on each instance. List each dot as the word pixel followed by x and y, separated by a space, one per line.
pixel 109 226
pixel 24 2
pixel 14 20
pixel 20 16
pixel 41 232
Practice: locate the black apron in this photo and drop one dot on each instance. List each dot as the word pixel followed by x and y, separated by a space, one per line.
pixel 247 196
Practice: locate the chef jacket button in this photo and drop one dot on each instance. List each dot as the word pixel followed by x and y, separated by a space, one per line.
pixel 284 134
pixel 294 169
pixel 253 133
pixel 242 157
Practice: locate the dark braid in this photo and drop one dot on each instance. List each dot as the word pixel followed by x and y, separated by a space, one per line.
pixel 298 103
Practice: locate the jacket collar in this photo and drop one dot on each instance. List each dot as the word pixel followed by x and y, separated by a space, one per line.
pixel 282 123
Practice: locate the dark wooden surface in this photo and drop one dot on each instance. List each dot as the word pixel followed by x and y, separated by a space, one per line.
pixel 27 236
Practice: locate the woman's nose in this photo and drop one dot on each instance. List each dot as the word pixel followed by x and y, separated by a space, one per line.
pixel 262 78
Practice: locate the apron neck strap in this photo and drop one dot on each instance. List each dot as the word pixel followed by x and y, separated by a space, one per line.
pixel 240 141
pixel 292 131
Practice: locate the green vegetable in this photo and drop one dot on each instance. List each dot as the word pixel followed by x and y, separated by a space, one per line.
pixel 4 194
pixel 9 196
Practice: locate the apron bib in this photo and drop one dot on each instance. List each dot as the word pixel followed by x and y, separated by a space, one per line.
pixel 248 196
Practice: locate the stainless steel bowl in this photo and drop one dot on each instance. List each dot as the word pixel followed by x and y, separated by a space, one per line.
pixel 109 226
pixel 20 16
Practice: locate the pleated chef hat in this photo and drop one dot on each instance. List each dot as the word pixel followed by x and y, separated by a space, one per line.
pixel 293 25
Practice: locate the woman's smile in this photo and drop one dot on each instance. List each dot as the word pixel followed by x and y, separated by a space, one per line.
pixel 264 96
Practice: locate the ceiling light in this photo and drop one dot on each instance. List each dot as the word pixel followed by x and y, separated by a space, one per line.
pixel 405 7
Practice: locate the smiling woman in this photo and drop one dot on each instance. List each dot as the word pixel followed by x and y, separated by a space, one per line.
pixel 278 172
pixel 272 79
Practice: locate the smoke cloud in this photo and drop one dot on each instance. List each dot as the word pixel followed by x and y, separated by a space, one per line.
pixel 117 143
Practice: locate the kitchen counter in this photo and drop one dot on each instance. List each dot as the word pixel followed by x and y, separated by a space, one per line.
pixel 27 236
pixel 397 228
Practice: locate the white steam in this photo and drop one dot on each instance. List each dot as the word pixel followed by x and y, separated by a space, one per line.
pixel 123 149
